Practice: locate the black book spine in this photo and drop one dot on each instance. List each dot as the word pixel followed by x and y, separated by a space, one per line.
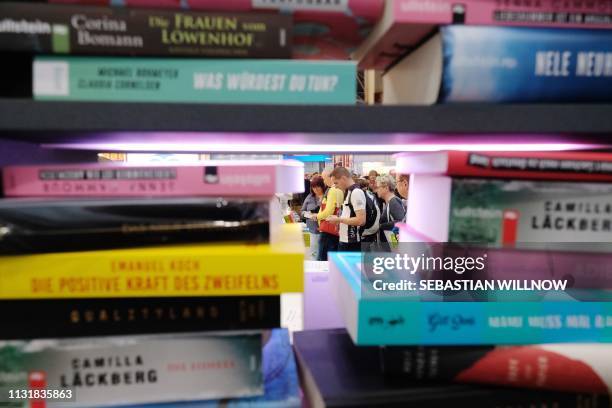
pixel 87 30
pixel 30 319
pixel 430 363
pixel 507 398
pixel 38 226
pixel 520 366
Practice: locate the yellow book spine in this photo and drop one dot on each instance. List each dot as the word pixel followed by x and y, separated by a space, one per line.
pixel 213 270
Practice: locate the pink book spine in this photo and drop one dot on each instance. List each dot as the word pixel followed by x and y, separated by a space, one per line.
pixel 368 9
pixel 414 19
pixel 130 181
pixel 548 13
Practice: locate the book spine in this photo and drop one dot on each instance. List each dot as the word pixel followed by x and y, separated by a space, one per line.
pixel 590 167
pixel 562 166
pixel 325 30
pixel 182 271
pixel 64 29
pixel 473 323
pixel 569 368
pixel 414 20
pixel 119 371
pixel 564 65
pixel 30 319
pixel 40 226
pixel 369 9
pixel 543 13
pixel 135 181
pixel 211 81
pixel 507 397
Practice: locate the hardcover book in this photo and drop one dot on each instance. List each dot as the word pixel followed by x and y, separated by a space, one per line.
pixel 65 29
pixel 322 29
pixel 194 80
pixel 336 373
pixel 229 269
pixel 504 64
pixel 561 367
pixel 281 386
pixel 560 166
pixel 107 371
pixel 39 318
pixel 508 212
pixel 38 226
pixel 405 24
pixel 226 178
pixel 409 318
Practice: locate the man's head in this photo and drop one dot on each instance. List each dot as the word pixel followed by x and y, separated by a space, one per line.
pixel 326 177
pixel 341 178
pixel 402 185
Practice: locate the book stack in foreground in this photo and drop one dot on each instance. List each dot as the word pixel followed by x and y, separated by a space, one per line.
pixel 158 51
pixel 497 295
pixel 131 285
pixel 444 51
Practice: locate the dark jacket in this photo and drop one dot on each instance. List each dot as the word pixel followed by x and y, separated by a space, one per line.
pixel 312 204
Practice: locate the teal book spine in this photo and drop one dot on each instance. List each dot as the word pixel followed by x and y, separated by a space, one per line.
pixel 194 80
pixel 405 319
pixel 472 323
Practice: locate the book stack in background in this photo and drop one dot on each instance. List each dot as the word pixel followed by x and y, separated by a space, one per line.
pixel 444 51
pixel 128 284
pixel 532 218
pixel 158 51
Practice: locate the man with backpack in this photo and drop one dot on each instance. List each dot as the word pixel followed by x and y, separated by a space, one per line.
pixel 359 213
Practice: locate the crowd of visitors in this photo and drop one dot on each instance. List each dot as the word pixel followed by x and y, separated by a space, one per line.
pixel 345 212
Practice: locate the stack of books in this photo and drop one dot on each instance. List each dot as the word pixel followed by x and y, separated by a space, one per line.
pixel 272 52
pixel 444 51
pixel 128 284
pixel 497 295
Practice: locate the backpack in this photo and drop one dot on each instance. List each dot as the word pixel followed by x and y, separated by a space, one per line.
pixel 372 210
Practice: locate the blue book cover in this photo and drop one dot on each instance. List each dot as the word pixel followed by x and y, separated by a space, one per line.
pixel 281 383
pixel 520 64
pixel 410 318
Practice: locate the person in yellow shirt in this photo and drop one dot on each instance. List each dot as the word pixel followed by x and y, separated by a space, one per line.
pixel 332 201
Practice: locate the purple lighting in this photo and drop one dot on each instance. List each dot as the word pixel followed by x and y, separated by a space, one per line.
pixel 317 142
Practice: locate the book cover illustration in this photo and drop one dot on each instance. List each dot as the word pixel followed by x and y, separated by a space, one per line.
pixel 561 367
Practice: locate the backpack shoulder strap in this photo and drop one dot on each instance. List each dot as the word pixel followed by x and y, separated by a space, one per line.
pixel 349 193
